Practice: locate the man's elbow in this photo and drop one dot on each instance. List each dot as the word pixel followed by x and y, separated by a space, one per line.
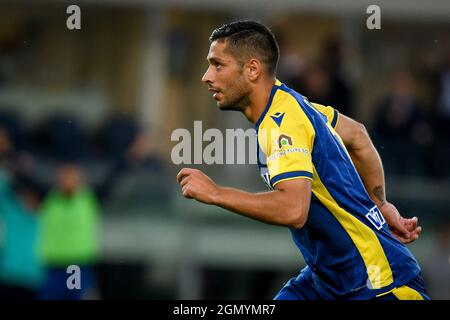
pixel 298 217
pixel 359 136
pixel 361 130
pixel 294 202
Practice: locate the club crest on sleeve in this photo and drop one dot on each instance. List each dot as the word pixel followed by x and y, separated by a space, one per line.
pixel 284 140
pixel 376 218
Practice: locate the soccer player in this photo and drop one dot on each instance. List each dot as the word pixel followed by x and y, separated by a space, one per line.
pixel 326 179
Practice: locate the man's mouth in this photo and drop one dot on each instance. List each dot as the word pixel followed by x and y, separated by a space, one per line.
pixel 215 93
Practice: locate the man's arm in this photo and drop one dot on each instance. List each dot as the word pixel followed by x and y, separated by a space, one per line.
pixel 368 163
pixel 287 205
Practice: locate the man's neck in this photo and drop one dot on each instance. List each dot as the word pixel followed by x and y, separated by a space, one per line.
pixel 258 101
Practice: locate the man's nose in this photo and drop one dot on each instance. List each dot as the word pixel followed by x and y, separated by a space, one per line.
pixel 207 77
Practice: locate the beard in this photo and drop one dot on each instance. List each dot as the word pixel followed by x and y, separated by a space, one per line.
pixel 238 100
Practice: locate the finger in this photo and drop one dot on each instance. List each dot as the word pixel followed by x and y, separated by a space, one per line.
pixel 404 231
pixel 416 232
pixel 410 224
pixel 180 173
pixel 186 192
pixel 401 237
pixel 400 227
pixel 183 172
pixel 413 238
pixel 414 222
pixel 185 180
pixel 414 235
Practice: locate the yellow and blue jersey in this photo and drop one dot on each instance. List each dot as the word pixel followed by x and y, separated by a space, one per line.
pixel 346 243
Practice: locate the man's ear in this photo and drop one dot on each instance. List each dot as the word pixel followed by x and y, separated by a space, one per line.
pixel 254 69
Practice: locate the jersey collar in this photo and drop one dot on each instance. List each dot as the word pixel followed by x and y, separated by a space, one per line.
pixel 269 103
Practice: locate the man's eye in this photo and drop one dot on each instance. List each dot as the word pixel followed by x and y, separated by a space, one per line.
pixel 218 65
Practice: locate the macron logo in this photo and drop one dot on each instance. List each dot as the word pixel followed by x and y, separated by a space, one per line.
pixel 376 218
pixel 278 118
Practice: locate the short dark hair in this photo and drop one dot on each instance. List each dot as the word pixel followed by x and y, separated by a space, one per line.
pixel 246 38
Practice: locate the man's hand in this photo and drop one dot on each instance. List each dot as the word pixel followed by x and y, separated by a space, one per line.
pixel 197 185
pixel 405 230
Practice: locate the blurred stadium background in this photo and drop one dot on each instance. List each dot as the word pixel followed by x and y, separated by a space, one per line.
pixel 99 104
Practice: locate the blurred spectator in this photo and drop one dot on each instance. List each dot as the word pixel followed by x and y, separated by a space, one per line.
pixel 15 162
pixel 69 234
pixel 291 67
pixel 116 135
pixel 142 151
pixel 443 97
pixel 66 138
pixel 20 267
pixel 292 64
pixel 403 129
pixel 340 92
pixel 123 143
pixel 21 271
pixel 6 148
pixel 10 122
pixel 70 217
pixel 317 85
pixel 441 154
pixel 136 151
pixel 436 264
pixel 61 137
pixel 321 81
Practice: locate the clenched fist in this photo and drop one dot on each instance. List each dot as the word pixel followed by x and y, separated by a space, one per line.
pixel 197 185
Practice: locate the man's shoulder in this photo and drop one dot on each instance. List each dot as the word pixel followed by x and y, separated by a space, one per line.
pixel 284 109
